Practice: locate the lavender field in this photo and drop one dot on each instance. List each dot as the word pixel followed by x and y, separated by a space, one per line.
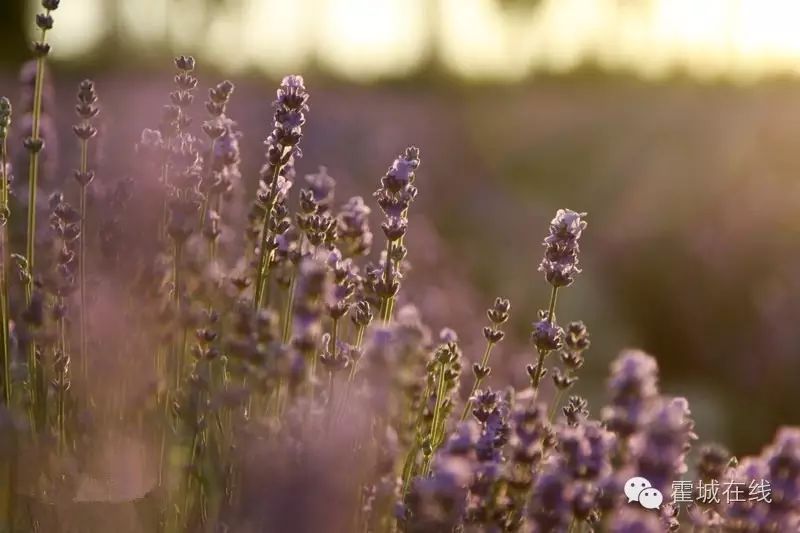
pixel 304 305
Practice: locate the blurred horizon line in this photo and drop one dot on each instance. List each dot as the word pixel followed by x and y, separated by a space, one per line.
pixel 367 40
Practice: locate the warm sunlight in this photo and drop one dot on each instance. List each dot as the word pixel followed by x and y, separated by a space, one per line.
pixel 365 39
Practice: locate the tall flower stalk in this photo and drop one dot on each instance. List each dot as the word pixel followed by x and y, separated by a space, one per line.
pixel 65 222
pixel 395 195
pixel 221 160
pixel 560 266
pixel 576 341
pixel 498 315
pixel 282 148
pixel 34 144
pixel 5 214
pixel 183 197
pixel 446 369
pixel 86 110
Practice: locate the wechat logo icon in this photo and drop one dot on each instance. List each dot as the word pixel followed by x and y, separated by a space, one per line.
pixel 638 489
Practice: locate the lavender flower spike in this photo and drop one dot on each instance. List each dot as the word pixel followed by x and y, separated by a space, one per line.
pixel 282 149
pixel 560 262
pixel 634 387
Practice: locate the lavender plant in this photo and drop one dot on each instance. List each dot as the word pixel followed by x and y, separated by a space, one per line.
pixel 269 398
pixel 34 145
pixel 86 109
pixel 5 213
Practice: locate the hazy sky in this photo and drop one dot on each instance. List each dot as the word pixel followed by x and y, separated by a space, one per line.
pixel 476 38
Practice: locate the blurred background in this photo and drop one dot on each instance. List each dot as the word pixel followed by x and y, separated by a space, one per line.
pixel 673 123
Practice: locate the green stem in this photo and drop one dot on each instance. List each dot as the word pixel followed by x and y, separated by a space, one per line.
pixel 61 380
pixel 7 385
pixel 7 382
pixel 35 374
pixel 288 309
pixel 334 335
pixel 207 198
pixel 542 354
pixel 162 230
pixel 552 308
pixel 408 466
pixel 359 342
pixel 176 273
pixel 558 398
pixel 82 267
pixel 538 377
pixel 484 362
pixel 264 256
pixel 314 356
pixel 437 414
pixel 352 374
pixel 411 457
pixel 556 402
pixel 33 168
pixel 390 308
pixel 387 302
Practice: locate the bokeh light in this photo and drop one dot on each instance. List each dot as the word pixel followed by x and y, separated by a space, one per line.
pixel 367 39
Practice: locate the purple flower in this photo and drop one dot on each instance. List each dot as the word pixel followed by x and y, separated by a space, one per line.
pixel 560 262
pixel 353 232
pixel 321 186
pixel 397 192
pixel 783 461
pixel 659 449
pixel 438 503
pixel 633 387
pixel 401 175
pixel 586 449
pixel 546 335
pixel 550 507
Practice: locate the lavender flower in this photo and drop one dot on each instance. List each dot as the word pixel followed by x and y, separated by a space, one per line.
pixel 438 503
pixel 313 289
pixel 659 449
pixel 492 412
pixel 394 196
pixel 559 265
pixel 550 508
pixel 741 514
pixel 345 276
pixel 575 410
pixel 530 438
pixel 576 341
pixel 321 185
pixel 317 225
pixel 585 450
pixel 712 462
pixel 560 262
pixel 633 386
pixel 282 148
pixel 353 233
pixel 546 335
pixel 782 458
